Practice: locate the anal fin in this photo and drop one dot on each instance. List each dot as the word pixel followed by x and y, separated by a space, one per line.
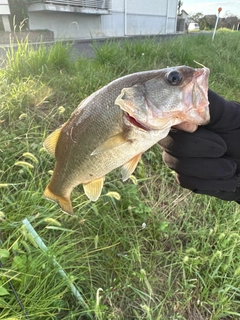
pixel 93 189
pixel 130 166
pixel 64 202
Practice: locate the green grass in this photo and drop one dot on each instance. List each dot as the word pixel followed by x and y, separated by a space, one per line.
pixel 183 265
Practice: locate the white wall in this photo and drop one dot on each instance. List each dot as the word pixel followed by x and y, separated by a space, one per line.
pixel 134 17
pixel 4 14
pixel 4 7
pixel 66 25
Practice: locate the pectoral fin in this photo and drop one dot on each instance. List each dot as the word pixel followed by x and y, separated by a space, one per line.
pixel 93 189
pixel 51 141
pixel 129 167
pixel 113 142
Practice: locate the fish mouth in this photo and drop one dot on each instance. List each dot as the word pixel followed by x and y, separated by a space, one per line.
pixel 164 122
pixel 135 123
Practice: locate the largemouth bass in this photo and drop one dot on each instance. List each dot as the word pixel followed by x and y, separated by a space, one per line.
pixel 117 123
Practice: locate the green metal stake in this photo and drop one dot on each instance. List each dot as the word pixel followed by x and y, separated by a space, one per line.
pixel 44 248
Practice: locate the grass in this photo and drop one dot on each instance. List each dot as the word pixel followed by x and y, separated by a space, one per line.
pixel 159 252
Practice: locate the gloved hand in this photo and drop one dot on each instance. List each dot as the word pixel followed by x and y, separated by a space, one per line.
pixel 207 161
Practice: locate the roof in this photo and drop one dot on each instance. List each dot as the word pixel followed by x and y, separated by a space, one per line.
pixel 183 11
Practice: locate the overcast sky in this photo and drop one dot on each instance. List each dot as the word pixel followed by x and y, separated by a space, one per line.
pixel 211 7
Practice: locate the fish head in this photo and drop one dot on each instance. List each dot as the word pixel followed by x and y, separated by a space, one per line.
pixel 173 96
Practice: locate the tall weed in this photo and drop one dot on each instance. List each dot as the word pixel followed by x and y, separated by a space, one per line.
pixel 159 252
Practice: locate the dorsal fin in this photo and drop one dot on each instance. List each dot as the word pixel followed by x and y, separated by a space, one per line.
pixel 51 141
pixel 93 189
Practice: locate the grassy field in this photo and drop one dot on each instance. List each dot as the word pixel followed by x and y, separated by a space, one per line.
pixel 158 253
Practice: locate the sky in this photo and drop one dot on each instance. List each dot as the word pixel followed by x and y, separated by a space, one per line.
pixel 211 7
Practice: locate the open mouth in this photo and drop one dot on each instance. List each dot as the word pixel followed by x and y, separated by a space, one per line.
pixel 135 122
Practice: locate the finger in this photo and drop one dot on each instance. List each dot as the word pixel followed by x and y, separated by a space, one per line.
pixel 204 186
pixel 186 126
pixel 204 168
pixel 201 143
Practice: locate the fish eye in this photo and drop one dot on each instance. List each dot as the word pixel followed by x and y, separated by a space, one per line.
pixel 174 78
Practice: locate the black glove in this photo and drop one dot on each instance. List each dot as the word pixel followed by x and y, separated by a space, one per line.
pixel 208 160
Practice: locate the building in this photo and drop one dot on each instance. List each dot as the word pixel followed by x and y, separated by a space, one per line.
pixel 79 19
pixel 5 14
pixel 183 21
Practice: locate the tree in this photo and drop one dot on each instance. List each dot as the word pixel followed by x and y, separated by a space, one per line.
pixel 207 22
pixel 180 4
pixel 196 17
pixel 230 22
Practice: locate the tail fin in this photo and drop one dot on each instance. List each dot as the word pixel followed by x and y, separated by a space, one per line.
pixel 64 202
